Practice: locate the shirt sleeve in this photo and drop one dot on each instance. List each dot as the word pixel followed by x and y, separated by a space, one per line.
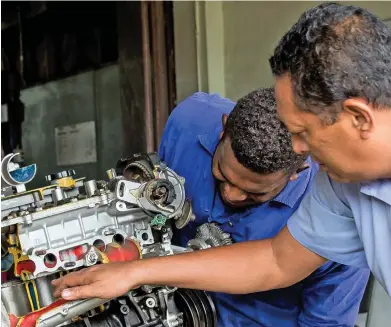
pixel 332 295
pixel 162 149
pixel 325 224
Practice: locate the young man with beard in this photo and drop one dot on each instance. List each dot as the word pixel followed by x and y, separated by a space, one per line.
pixel 242 173
pixel 333 92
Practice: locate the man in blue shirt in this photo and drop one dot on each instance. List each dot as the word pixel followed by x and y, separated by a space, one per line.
pixel 333 78
pixel 240 172
pixel 333 88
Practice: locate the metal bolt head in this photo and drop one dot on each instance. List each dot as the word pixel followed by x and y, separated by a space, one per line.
pixel 64 311
pixel 124 309
pixel 91 258
pixel 150 302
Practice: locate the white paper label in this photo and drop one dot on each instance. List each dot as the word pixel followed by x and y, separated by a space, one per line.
pixel 75 144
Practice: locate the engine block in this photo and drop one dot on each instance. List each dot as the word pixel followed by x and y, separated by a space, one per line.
pixel 72 223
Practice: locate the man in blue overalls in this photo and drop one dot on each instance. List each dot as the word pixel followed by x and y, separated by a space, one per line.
pixel 242 174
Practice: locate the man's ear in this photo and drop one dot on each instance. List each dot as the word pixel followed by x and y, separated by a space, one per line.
pixel 223 122
pixel 362 116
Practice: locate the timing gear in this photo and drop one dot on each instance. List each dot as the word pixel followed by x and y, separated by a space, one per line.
pixel 209 235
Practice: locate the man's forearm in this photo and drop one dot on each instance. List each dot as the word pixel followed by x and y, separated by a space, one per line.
pixel 240 268
pixel 229 269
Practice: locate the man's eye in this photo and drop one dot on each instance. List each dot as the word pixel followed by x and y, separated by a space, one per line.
pixel 299 134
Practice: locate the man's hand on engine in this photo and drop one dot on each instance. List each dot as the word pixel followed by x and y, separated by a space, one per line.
pixel 104 281
pixel 261 265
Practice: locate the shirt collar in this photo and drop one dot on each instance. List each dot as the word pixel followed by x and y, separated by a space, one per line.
pixel 380 189
pixel 210 141
pixel 292 192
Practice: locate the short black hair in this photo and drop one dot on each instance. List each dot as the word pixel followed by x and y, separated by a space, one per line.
pixel 335 52
pixel 260 142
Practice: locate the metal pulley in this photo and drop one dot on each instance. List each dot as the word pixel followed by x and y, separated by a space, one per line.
pixel 150 184
pixel 186 217
pixel 139 167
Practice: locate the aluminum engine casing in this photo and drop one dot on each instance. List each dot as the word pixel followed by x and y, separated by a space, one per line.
pixel 83 223
pixel 69 225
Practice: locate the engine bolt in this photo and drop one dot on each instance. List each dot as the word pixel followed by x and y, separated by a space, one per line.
pixel 64 311
pixel 91 258
pixel 124 309
pixel 150 302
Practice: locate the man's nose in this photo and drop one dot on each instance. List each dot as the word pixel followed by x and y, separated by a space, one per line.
pixel 299 145
pixel 233 193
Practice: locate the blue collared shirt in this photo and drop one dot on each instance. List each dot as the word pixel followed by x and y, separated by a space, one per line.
pixel 329 297
pixel 348 223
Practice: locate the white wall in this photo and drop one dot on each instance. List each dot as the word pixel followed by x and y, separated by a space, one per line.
pixel 199 47
pixel 251 31
pixel 380 308
pixel 224 46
